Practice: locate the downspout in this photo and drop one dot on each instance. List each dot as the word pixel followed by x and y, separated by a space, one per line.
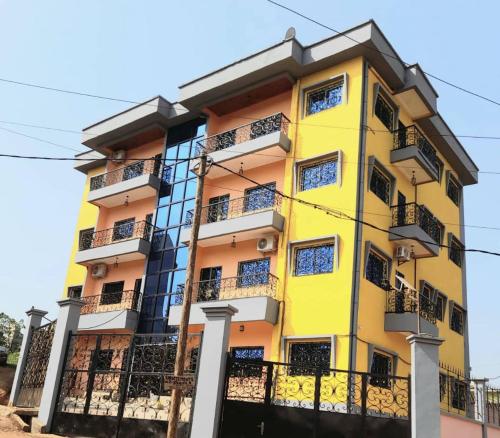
pixel 356 277
pixel 284 242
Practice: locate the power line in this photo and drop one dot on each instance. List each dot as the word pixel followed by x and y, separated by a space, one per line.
pixel 390 55
pixel 339 215
pixel 31 157
pixel 40 139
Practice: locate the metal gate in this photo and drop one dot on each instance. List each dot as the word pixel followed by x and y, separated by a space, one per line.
pixel 35 368
pixel 115 385
pixel 279 400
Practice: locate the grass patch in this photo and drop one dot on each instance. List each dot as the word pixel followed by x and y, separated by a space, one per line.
pixel 13 358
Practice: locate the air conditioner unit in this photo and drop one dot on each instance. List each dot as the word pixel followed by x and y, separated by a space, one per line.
pixel 119 156
pixel 266 244
pixel 99 271
pixel 403 254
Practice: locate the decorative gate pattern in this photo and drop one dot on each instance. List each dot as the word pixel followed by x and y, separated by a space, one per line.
pixel 115 385
pixel 35 368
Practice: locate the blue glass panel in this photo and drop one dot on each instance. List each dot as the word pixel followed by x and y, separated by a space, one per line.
pixel 175 214
pixel 178 281
pixel 324 98
pixel 161 217
pixel 151 284
pixel 147 306
pixel 164 282
pixel 171 152
pixel 314 260
pixel 181 170
pixel 191 188
pixel 159 305
pixel 154 262
pixel 319 174
pixel 184 150
pixel 253 272
pixel 158 325
pixel 178 192
pixel 168 261
pixel 182 256
pixel 259 197
pixel 171 237
pixel 188 207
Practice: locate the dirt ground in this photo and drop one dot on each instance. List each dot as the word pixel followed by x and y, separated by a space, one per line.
pixel 8 426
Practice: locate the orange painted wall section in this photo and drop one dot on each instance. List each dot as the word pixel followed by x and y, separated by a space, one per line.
pixel 127 272
pixel 276 104
pixel 147 150
pixel 138 210
pixel 459 427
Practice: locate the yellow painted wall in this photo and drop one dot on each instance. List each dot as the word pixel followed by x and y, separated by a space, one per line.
pixel 439 271
pixel 319 305
pixel 87 218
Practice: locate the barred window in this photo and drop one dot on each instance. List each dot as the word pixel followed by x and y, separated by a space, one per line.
pixel 377 269
pixel 384 112
pixel 458 394
pixel 440 306
pixel 457 320
pixel 257 198
pixel 317 174
pixel 218 207
pixel 380 185
pixel 453 190
pixel 324 98
pixel 314 259
pixel 85 239
pixel 382 369
pixel 443 380
pixel 455 251
pixel 306 357
pixel 75 291
pixel 254 354
pixel 253 272
pixel 123 229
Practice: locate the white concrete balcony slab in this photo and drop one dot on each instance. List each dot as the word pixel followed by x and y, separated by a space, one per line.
pixel 121 244
pixel 139 180
pixel 235 217
pixel 253 145
pixel 115 319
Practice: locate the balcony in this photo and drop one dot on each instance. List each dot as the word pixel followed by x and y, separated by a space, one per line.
pixel 402 308
pixel 415 156
pixel 238 147
pixel 253 295
pixel 249 217
pixel 415 227
pixel 123 243
pixel 139 180
pixel 111 310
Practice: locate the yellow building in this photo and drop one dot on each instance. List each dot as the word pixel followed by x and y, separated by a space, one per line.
pixel 333 210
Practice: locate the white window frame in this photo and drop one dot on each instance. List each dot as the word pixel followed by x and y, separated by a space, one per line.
pixel 342 77
pixel 306 243
pixel 287 340
pixel 335 155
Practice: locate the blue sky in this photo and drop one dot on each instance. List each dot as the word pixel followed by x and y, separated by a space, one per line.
pixel 134 50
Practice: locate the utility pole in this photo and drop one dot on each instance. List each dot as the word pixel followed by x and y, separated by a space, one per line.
pixel 180 358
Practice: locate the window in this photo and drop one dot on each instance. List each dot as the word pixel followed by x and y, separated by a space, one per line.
pixel 253 272
pixel 193 359
pixel 209 285
pixel 123 229
pixel 258 198
pixel 453 190
pixel 442 386
pixel 457 319
pixel 324 98
pixel 306 357
pixel 458 393
pixel 320 173
pixel 218 207
pixel 133 170
pixel 440 306
pixel 377 269
pixel 381 368
pixel 455 250
pixel 241 369
pixel 384 112
pixel 112 293
pixel 75 291
pixel 314 259
pixel 86 238
pixel 380 185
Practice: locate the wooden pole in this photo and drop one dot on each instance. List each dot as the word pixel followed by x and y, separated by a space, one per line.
pixel 180 358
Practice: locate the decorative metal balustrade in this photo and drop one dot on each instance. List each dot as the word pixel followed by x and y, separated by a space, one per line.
pixel 262 284
pixel 492 405
pixel 412 136
pixel 233 208
pixel 134 170
pixel 457 393
pixel 119 233
pixel 322 389
pixel 268 125
pixel 414 214
pixel 406 301
pixel 109 301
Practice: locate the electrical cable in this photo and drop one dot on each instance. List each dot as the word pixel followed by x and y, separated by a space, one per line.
pixel 103 323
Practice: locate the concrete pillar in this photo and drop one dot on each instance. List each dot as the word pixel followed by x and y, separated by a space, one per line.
pixel 425 409
pixel 479 388
pixel 67 321
pixel 32 321
pixel 211 371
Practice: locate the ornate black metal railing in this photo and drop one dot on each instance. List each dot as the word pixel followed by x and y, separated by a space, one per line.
pixel 492 405
pixel 321 389
pixel 262 284
pixel 233 208
pixel 457 393
pixel 251 131
pixel 412 136
pixel 134 170
pixel 414 214
pixel 109 301
pixel 119 233
pixel 407 301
